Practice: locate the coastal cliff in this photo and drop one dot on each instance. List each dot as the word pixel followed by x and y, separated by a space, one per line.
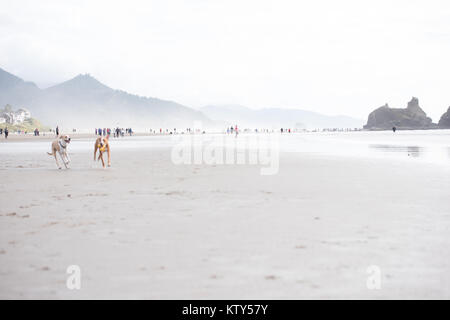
pixel 444 122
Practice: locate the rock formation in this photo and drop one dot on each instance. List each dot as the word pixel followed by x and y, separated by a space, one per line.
pixel 412 117
pixel 444 122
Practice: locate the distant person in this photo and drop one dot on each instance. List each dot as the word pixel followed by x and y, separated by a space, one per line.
pixel 57 131
pixel 6 133
pixel 95 131
pixel 394 129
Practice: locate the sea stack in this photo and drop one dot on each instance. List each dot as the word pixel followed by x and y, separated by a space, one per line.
pixel 444 122
pixel 412 117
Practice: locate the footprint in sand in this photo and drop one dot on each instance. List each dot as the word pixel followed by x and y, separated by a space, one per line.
pixel 174 193
pixel 13 214
pixel 96 194
pixel 270 277
pixel 50 224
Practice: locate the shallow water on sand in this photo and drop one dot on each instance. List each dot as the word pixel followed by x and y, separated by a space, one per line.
pixel 430 146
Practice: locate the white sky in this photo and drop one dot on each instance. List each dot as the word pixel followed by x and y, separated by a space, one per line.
pixel 334 57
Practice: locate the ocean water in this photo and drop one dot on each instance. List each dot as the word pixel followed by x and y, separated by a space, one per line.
pixel 431 146
pixel 421 146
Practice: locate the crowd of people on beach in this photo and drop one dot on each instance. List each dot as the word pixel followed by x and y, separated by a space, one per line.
pixel 235 130
pixel 162 131
pixel 117 132
pixel 232 130
pixel 5 132
pixel 121 132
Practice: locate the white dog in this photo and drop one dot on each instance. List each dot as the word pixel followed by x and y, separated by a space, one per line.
pixel 60 146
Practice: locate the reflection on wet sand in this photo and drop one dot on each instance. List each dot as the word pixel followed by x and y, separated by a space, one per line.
pixel 411 151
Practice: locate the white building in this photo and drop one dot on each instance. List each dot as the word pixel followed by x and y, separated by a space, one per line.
pixel 7 115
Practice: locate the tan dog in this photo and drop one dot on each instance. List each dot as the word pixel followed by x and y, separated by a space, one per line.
pixel 60 146
pixel 102 145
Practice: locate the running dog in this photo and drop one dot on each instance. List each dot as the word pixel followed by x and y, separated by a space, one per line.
pixel 102 145
pixel 60 146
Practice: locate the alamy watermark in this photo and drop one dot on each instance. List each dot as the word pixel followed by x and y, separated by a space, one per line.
pixel 218 149
pixel 374 279
pixel 74 279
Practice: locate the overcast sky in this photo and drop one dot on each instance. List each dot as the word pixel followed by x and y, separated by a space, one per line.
pixel 334 57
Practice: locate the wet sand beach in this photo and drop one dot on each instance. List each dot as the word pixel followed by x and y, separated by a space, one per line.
pixel 147 228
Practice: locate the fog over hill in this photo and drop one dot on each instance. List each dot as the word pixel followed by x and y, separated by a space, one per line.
pixel 84 102
pixel 274 118
pixel 15 91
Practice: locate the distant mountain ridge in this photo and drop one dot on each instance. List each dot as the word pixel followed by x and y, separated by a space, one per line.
pixel 84 102
pixel 15 91
pixel 277 118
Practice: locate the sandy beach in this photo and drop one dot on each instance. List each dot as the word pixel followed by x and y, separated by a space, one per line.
pixel 147 228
